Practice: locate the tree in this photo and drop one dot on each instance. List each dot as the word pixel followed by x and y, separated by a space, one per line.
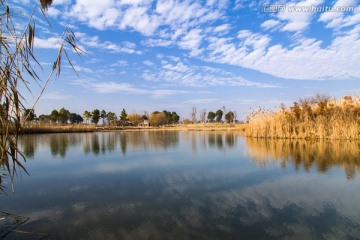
pixel 110 117
pixel 219 115
pixel 103 116
pixel 229 117
pixel 134 118
pixel 235 116
pixel 95 116
pixel 87 116
pixel 203 115
pixel 175 117
pixel 193 114
pixel 44 118
pixel 75 118
pixel 64 115
pixel 54 116
pixel 29 115
pixel 168 116
pixel 211 116
pixel 123 115
pixel 157 119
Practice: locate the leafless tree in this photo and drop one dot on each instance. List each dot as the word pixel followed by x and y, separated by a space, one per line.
pixel 203 115
pixel 193 114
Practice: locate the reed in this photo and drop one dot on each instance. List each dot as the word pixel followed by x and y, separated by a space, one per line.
pixel 320 117
pixel 18 68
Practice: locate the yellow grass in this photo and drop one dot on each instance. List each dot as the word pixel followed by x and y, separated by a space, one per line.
pixel 316 118
pixel 91 128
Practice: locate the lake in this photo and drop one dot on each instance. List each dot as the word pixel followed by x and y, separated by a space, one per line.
pixel 183 185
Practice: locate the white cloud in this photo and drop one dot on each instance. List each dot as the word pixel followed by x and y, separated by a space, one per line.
pixel 138 19
pixel 90 11
pixel 55 95
pixel 192 41
pixel 342 19
pixel 61 2
pixel 142 16
pixel 222 28
pixel 194 26
pixel 82 69
pixel 299 20
pixel 95 42
pixel 163 93
pixel 52 43
pixel 148 63
pixel 158 42
pixel 53 12
pixel 200 101
pixel 271 23
pixel 306 60
pixel 120 63
pixel 181 74
pixel 114 87
pixel 109 87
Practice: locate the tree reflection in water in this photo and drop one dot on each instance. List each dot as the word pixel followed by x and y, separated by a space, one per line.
pixel 189 185
pixel 97 143
pixel 321 155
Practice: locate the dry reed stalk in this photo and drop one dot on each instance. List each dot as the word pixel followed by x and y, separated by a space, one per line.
pixel 316 118
pixel 17 68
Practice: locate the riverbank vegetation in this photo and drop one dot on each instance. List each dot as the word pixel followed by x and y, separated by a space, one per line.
pixel 319 117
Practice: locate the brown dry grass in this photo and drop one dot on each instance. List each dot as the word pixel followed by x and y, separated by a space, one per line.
pixel 316 118
pixel 91 128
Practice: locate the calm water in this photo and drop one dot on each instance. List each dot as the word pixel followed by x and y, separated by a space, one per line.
pixel 185 185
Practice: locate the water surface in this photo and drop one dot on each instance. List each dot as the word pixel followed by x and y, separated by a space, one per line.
pixel 185 185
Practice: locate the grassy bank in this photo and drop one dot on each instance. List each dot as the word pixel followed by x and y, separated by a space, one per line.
pixel 315 118
pixel 57 129
pixel 92 128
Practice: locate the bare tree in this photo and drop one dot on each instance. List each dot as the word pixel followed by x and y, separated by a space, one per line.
pixel 193 114
pixel 224 110
pixel 203 115
pixel 146 113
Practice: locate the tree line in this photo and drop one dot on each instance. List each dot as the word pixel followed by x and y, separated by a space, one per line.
pixel 64 116
pixel 217 116
pixel 157 118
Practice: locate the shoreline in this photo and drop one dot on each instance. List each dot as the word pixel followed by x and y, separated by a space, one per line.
pixel 239 128
pixel 83 128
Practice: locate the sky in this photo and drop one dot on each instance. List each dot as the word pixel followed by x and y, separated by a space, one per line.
pixel 145 55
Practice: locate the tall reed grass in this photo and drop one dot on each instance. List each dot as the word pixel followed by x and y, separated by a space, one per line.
pixel 18 67
pixel 320 117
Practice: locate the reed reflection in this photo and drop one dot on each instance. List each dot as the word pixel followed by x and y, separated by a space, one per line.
pixel 321 155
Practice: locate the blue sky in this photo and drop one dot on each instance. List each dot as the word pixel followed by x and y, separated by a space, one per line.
pixel 173 55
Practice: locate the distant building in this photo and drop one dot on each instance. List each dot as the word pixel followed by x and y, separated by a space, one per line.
pixel 144 123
